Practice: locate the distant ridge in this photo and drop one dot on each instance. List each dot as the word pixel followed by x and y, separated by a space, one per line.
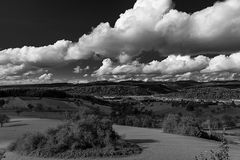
pixel 123 88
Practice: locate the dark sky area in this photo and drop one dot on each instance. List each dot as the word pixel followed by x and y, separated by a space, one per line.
pixel 43 22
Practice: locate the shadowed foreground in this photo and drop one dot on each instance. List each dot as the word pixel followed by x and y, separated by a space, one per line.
pixel 156 145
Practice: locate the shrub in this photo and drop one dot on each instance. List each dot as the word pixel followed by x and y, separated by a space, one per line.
pixel 170 123
pixel 2 155
pixel 87 137
pixel 2 102
pixel 190 106
pixel 137 121
pixel 228 121
pixel 38 108
pixel 188 126
pixel 28 143
pixel 222 153
pixel 19 111
pixel 30 106
pixel 3 119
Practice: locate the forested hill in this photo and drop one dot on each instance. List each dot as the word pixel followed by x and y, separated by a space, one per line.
pixel 102 88
pixel 185 89
pixel 207 93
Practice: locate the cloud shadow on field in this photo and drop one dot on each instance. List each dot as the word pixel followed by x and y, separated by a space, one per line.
pixel 15 125
pixel 142 141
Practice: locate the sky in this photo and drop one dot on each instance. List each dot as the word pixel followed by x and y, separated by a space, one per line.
pixel 90 40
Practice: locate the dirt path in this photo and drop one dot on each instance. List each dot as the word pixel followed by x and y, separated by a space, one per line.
pixel 157 145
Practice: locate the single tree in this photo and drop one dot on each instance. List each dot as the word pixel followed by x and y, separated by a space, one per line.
pixel 3 119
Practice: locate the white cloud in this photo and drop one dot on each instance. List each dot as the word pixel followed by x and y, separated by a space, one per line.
pixel 149 25
pixel 78 81
pixel 177 64
pixel 87 68
pixel 124 58
pixel 153 24
pixel 46 77
pixel 200 68
pixel 39 56
pixel 78 69
pixel 10 69
pixel 224 63
pixel 106 68
pixel 171 65
pixel 34 72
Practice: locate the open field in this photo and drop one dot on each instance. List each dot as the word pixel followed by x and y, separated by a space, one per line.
pixel 23 102
pixel 19 126
pixel 156 145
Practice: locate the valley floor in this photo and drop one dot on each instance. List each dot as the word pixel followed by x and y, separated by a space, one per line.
pixel 156 145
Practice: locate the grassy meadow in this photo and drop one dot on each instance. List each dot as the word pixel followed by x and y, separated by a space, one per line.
pixel 156 144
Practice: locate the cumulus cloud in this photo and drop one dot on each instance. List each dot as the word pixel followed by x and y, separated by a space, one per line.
pixel 171 65
pixel 40 56
pixel 78 69
pixel 154 24
pixel 177 64
pixel 124 58
pixel 46 77
pixel 34 72
pixel 106 68
pixel 224 63
pixel 200 68
pixel 149 25
pixel 10 69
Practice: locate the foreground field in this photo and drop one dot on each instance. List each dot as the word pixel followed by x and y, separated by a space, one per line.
pixel 156 145
pixel 19 126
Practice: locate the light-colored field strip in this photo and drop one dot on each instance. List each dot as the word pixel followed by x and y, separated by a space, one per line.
pixel 157 145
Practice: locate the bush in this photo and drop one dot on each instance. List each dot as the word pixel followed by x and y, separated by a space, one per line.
pixel 188 126
pixel 228 121
pixel 170 123
pixel 87 137
pixel 3 119
pixel 137 121
pixel 222 153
